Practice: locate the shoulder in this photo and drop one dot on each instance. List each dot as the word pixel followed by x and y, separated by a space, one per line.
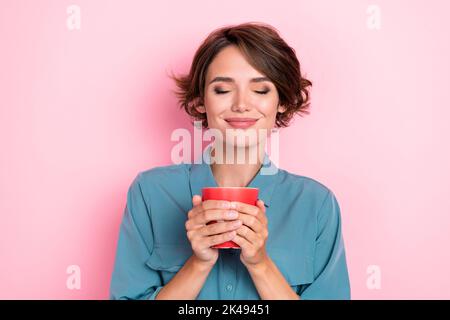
pixel 315 197
pixel 167 177
pixel 157 173
pixel 299 185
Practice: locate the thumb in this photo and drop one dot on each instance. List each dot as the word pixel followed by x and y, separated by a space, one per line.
pixel 260 204
pixel 196 200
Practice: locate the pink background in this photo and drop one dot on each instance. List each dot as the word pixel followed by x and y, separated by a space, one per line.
pixel 81 112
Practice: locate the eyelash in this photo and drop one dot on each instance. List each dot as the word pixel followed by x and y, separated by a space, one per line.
pixel 223 92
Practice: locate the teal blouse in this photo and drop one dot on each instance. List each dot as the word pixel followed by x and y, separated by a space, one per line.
pixel 305 235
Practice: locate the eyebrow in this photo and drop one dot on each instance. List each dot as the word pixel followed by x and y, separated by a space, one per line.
pixel 228 79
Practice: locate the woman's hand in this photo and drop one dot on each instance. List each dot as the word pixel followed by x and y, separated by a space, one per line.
pixel 252 235
pixel 203 236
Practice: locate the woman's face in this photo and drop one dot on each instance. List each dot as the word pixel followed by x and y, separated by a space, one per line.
pixel 234 89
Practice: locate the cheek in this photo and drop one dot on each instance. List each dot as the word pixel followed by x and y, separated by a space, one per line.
pixel 216 103
pixel 214 106
pixel 268 107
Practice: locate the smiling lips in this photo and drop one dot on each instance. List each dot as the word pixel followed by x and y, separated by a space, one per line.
pixel 241 123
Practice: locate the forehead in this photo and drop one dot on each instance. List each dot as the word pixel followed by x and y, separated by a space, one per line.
pixel 231 62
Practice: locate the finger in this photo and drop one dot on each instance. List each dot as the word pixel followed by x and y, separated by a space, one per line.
pixel 220 227
pixel 191 225
pixel 252 222
pixel 196 206
pixel 206 205
pixel 262 213
pixel 245 208
pixel 260 204
pixel 194 211
pixel 218 238
pixel 251 210
pixel 250 236
pixel 196 200
pixel 214 215
pixel 216 204
pixel 242 242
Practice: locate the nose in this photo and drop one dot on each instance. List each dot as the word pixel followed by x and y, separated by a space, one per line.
pixel 240 104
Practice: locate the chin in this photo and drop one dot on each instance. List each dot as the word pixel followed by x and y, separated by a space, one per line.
pixel 241 140
pixel 242 144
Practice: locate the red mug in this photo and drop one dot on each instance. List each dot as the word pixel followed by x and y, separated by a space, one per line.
pixel 240 194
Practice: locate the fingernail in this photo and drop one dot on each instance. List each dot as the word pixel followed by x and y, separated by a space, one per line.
pixel 226 205
pixel 237 223
pixel 233 205
pixel 232 214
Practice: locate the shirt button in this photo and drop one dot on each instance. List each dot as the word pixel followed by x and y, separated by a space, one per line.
pixel 229 287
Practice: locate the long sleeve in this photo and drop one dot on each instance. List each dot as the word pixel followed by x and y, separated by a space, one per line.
pixel 131 277
pixel 331 279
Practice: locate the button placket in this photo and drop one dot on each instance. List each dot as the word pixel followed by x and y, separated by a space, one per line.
pixel 230 278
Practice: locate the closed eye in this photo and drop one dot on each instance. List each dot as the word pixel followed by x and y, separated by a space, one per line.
pixel 220 91
pixel 225 91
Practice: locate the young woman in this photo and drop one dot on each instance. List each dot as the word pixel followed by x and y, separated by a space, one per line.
pixel 291 247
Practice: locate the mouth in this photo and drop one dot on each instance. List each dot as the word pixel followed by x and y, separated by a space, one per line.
pixel 241 123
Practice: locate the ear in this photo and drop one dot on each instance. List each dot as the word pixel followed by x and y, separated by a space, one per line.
pixel 199 105
pixel 281 109
pixel 200 108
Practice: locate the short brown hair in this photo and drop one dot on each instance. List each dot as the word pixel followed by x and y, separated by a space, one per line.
pixel 266 51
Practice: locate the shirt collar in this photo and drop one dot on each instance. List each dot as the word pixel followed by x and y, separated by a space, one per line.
pixel 265 180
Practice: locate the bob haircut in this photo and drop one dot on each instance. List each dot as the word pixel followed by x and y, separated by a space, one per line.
pixel 265 51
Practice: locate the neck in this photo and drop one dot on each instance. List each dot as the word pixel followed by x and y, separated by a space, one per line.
pixel 233 174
